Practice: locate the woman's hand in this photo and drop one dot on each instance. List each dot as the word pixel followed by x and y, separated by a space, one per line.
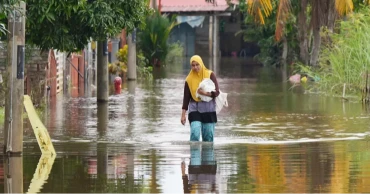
pixel 183 117
pixel 183 168
pixel 201 92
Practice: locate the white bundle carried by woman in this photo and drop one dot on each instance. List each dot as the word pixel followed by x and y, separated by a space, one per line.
pixel 207 85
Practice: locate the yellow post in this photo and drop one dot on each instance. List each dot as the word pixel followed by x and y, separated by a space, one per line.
pixel 41 173
pixel 42 135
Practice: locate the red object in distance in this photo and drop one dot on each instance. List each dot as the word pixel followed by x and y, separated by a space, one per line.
pixel 117 85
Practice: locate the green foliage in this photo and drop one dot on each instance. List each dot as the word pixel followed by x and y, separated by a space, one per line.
pixel 120 66
pixel 264 35
pixel 144 71
pixel 2 29
pixel 3 89
pixel 117 68
pixel 346 60
pixel 6 7
pixel 2 115
pixel 69 25
pixel 176 53
pixel 153 38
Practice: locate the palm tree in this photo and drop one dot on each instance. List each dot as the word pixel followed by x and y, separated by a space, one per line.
pixel 324 13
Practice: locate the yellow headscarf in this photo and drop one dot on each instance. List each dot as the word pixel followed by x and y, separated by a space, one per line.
pixel 195 78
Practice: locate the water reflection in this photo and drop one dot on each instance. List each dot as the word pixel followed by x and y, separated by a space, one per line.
pixel 269 139
pixel 332 167
pixel 102 123
pixel 13 175
pixel 42 172
pixel 131 87
pixel 202 169
pixel 102 161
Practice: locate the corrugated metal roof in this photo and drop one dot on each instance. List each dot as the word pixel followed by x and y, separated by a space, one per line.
pixel 192 5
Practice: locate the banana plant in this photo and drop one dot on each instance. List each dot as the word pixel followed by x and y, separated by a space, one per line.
pixel 153 39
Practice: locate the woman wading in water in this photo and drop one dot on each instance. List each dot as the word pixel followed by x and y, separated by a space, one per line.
pixel 202 115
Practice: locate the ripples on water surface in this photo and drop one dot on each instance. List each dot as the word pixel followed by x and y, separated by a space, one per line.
pixel 269 139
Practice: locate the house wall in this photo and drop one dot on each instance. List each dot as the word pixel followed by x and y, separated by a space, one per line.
pixel 35 74
pixel 77 73
pixel 52 74
pixel 60 58
pixel 41 69
pixel 230 42
pixel 81 79
pixel 196 40
pixel 74 76
pixel 185 34
pixel 202 39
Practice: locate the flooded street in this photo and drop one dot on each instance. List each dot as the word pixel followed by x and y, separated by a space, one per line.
pixel 271 138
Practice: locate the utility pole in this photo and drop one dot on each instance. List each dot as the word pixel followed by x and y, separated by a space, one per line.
pixel 88 70
pixel 215 46
pixel 131 59
pixel 210 40
pixel 115 48
pixel 215 37
pixel 13 134
pixel 160 6
pixel 154 4
pixel 102 92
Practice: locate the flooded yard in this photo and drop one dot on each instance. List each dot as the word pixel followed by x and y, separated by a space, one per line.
pixel 271 138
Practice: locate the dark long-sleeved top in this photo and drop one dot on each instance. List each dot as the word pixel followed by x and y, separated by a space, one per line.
pixel 188 97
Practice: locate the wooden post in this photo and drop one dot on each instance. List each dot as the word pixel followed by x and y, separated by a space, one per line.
pixel 102 92
pixel 102 163
pixel 89 70
pixel 13 134
pixel 131 58
pixel 159 6
pixel 215 47
pixel 210 36
pixel 154 4
pixel 115 48
pixel 103 117
pixel 13 174
pixel 102 154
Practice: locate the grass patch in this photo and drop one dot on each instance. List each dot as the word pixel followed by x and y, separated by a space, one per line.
pixel 345 57
pixel 2 115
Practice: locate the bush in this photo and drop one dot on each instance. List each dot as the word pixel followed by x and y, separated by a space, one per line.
pixel 176 52
pixel 117 68
pixel 144 71
pixel 346 59
pixel 153 38
pixel 122 54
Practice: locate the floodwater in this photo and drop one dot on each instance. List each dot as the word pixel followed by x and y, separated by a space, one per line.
pixel 272 138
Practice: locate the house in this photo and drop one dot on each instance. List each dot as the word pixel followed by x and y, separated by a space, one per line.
pixel 44 72
pixel 197 20
pixel 207 29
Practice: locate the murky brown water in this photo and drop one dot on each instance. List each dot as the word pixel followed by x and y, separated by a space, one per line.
pixel 271 138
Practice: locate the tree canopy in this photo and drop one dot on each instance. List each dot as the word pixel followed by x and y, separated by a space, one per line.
pixel 6 6
pixel 69 25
